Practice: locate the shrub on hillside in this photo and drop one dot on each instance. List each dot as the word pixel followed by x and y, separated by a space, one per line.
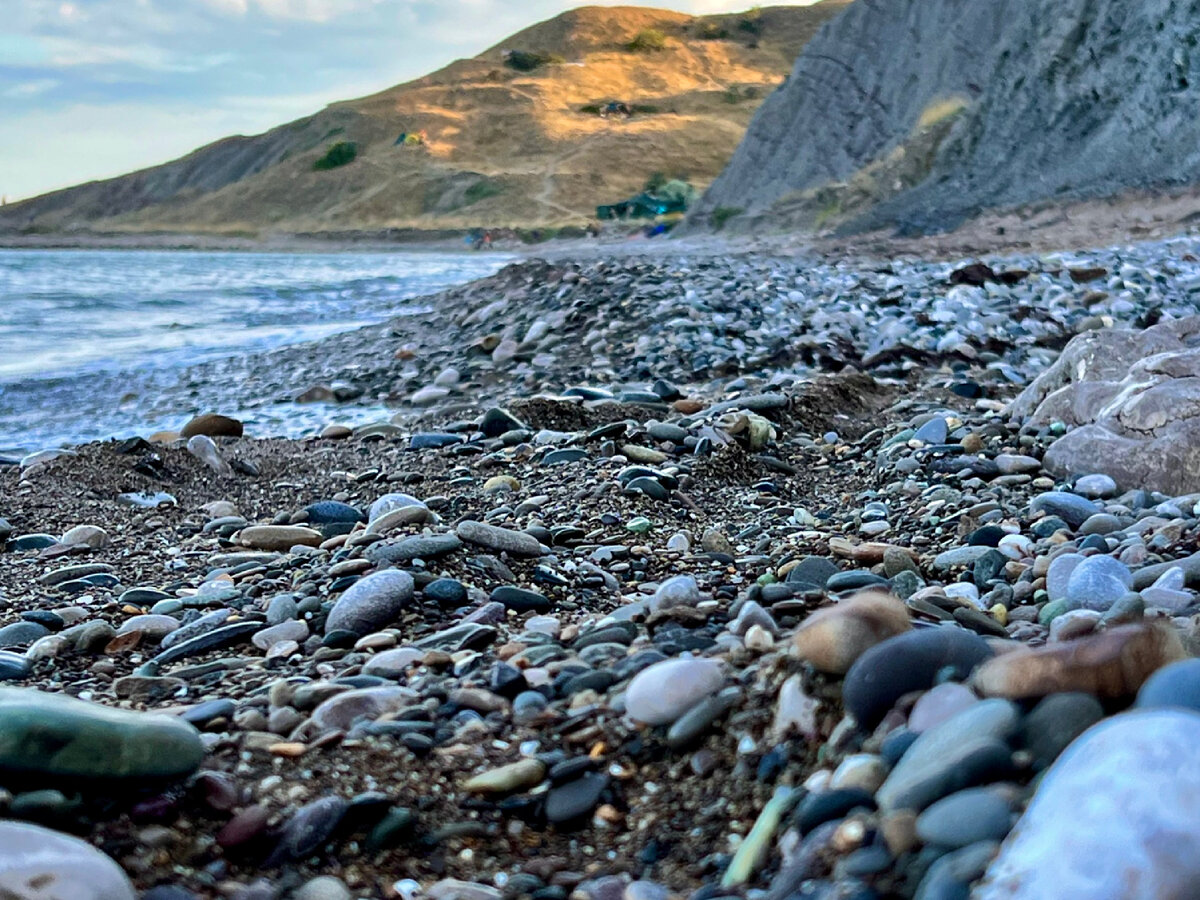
pixel 337 155
pixel 481 190
pixel 711 31
pixel 647 40
pixel 751 22
pixel 527 61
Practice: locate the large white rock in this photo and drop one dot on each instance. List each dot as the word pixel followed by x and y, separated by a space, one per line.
pixel 39 864
pixel 1117 816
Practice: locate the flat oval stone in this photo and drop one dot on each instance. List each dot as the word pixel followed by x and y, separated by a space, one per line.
pixel 309 827
pixel 280 538
pixel 73 573
pixel 291 630
pixel 419 546
pixel 13 666
pixel 371 602
pixel 153 627
pixel 32 542
pixel 1071 508
pixel 1139 837
pixel 55 736
pixel 341 711
pixel 967 749
pixel 39 864
pixel 515 776
pixel 225 636
pixel 499 539
pixel 964 817
pixel 21 634
pixel 520 600
pixel 573 801
pixel 660 694
pixel 325 512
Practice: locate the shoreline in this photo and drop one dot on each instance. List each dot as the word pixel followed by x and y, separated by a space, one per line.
pixel 466 324
pixel 1057 226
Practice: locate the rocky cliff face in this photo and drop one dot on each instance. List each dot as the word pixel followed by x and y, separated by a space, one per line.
pixel 916 114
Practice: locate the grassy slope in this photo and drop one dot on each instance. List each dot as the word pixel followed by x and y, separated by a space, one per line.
pixel 505 148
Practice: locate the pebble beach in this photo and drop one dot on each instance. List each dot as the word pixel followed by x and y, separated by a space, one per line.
pixel 681 575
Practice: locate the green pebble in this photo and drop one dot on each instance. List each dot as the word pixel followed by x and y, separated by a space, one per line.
pixel 1051 611
pixel 639 525
pixel 54 736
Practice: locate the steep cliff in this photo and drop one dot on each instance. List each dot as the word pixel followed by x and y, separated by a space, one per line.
pixel 917 114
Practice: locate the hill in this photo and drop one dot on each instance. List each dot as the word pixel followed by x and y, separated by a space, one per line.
pixel 918 114
pixel 502 146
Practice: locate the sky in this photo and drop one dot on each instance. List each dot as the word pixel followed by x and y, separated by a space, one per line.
pixel 95 88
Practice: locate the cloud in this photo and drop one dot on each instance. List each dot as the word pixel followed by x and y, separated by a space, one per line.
pixel 31 88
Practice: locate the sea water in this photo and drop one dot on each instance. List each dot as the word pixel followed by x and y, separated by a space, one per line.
pixel 76 321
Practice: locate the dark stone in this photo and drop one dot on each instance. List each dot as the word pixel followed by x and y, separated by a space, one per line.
pixel 565 770
pixel 13 666
pixel 619 633
pixel 45 618
pixel 308 829
pixel 965 817
pixel 632 473
pixel 854 580
pixel 599 680
pixel 812 572
pixel 908 662
pixel 572 803
pixel 447 593
pixel 564 455
pixel 649 487
pixel 203 713
pixel 896 744
pixel 340 638
pixel 521 600
pixel 1043 528
pixel 21 634
pixel 497 421
pixel 950 876
pixel 506 680
pixel 327 512
pixel 32 542
pixel 396 826
pixel 1055 722
pixel 220 638
pixel 826 806
pixel 988 567
pixel 421 546
pixel 987 536
pixel 433 440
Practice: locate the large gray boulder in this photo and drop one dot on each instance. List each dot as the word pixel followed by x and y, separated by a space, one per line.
pixel 1132 402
